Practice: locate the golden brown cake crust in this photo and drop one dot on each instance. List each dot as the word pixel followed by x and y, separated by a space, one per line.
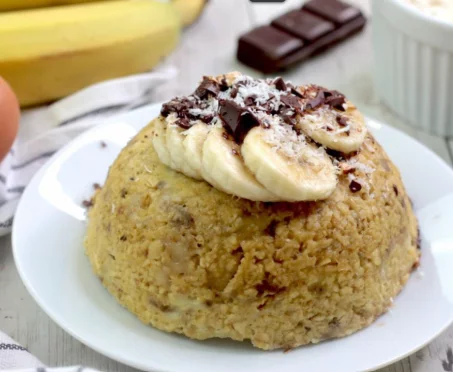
pixel 187 258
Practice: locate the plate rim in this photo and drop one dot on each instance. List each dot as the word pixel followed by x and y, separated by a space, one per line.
pixel 136 364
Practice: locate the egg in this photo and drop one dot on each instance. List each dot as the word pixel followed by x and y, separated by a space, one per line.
pixel 9 117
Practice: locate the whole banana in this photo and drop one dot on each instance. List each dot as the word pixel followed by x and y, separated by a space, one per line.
pixel 189 10
pixel 7 5
pixel 48 53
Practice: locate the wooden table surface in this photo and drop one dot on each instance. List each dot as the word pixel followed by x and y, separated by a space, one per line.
pixel 208 47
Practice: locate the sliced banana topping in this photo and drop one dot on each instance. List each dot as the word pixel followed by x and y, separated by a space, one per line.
pixel 262 140
pixel 337 130
pixel 193 145
pixel 160 141
pixel 295 170
pixel 224 165
pixel 179 161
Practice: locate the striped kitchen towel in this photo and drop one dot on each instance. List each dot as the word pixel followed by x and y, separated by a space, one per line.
pixel 45 130
pixel 14 357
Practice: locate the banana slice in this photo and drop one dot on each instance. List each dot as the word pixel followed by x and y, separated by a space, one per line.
pixel 175 147
pixel 193 150
pixel 306 175
pixel 223 164
pixel 160 141
pixel 193 145
pixel 340 131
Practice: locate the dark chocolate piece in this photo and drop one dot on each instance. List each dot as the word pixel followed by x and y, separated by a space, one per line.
pixel 299 34
pixel 303 25
pixel 354 186
pixel 207 87
pixel 317 101
pixel 327 97
pixel 342 121
pixel 280 84
pixel 264 46
pixel 180 106
pixel 237 120
pixel 291 101
pixel 333 10
pixel 336 101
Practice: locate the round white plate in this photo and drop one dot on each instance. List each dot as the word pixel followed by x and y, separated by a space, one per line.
pixel 49 228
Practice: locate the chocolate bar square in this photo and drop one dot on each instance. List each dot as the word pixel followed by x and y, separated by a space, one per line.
pixel 266 45
pixel 334 10
pixel 303 24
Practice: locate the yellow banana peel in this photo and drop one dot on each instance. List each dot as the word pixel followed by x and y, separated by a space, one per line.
pixel 48 53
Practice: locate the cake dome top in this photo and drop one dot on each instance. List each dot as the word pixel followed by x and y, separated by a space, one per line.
pixel 260 139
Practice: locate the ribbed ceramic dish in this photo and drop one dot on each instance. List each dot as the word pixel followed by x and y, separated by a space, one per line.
pixel 414 65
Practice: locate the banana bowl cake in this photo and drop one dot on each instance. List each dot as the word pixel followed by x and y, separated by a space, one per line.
pixel 254 210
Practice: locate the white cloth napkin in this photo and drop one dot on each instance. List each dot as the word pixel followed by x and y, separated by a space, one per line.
pixel 45 130
pixel 14 357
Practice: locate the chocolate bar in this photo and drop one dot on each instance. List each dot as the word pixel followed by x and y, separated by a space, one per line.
pixel 299 34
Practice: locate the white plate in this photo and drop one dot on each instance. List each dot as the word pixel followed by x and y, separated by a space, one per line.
pixel 49 228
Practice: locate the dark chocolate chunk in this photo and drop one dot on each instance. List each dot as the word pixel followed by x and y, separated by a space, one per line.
pixel 304 25
pixel 333 10
pixel 207 87
pixel 317 101
pixel 236 119
pixel 280 84
pixel 354 186
pixel 342 121
pixel 206 118
pixel 224 85
pixel 184 123
pixel 180 106
pixel 336 101
pixel 291 101
pixel 265 46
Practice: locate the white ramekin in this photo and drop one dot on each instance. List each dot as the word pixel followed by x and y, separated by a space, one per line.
pixel 414 65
